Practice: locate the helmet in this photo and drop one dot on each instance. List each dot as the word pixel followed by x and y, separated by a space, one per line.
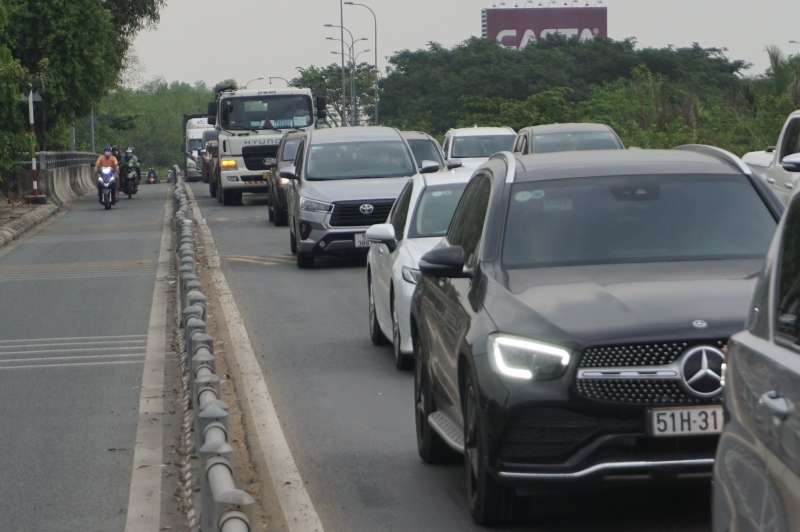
pixel 129 150
pixel 107 147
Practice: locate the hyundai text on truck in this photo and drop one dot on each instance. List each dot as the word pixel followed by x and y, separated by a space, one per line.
pixel 251 123
pixel 193 128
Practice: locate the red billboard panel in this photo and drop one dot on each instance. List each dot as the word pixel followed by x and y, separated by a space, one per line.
pixel 517 28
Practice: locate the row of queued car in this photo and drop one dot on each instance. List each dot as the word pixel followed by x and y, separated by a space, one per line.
pixel 569 306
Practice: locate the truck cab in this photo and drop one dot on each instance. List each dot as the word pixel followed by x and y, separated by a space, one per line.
pixel 194 126
pixel 251 123
pixel 767 163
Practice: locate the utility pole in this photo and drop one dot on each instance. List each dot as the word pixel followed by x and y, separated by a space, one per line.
pixel 34 175
pixel 377 72
pixel 341 32
pixel 91 129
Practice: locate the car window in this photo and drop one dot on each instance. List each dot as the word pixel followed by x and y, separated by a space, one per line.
pixel 481 145
pixel 467 225
pixel 574 141
pixel 290 149
pixel 425 150
pixel 434 210
pixel 446 147
pixel 787 324
pixel 791 139
pixel 649 218
pixel 399 213
pixel 359 159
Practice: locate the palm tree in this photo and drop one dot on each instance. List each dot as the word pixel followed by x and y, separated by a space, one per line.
pixel 784 73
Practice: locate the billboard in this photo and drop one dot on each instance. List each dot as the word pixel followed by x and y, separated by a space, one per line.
pixel 517 28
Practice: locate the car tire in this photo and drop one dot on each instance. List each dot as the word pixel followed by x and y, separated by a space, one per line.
pixel 375 333
pixel 227 197
pixel 431 447
pixel 305 260
pixel 281 217
pixel 401 361
pixel 271 212
pixel 292 243
pixel 489 501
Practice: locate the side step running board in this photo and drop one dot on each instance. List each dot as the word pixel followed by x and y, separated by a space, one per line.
pixel 449 431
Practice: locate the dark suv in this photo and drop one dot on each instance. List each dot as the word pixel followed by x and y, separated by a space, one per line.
pixel 287 150
pixel 570 325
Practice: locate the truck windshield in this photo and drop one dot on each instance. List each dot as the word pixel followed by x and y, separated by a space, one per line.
pixel 266 112
pixel 354 160
pixel 195 144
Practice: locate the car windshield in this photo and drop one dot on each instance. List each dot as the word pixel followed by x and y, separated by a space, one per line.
pixel 195 144
pixel 575 141
pixel 353 160
pixel 609 220
pixel 435 209
pixel 290 150
pixel 425 150
pixel 467 147
pixel 266 112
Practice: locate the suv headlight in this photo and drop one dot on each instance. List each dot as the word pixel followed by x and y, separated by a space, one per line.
pixel 314 205
pixel 519 358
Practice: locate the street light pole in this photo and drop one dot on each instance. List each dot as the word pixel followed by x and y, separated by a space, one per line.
pixel 341 33
pixel 278 77
pixel 375 42
pixel 251 81
pixel 344 118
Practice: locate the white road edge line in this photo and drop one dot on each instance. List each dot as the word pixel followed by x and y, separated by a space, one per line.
pixel 75 365
pixel 82 357
pixel 296 505
pixel 139 337
pixel 144 500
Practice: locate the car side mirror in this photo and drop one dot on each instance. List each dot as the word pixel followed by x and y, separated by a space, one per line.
pixel 428 167
pixel 770 149
pixel 383 234
pixel 445 261
pixel 289 172
pixel 452 164
pixel 791 163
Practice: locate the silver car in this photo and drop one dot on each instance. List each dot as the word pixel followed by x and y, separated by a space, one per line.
pixel 343 181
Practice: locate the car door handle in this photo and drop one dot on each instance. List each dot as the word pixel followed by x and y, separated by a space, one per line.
pixel 771 180
pixel 780 407
pixel 788 185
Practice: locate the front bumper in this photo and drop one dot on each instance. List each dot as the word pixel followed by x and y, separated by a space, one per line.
pixel 243 181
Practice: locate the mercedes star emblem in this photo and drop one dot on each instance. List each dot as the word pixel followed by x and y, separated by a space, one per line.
pixel 366 208
pixel 701 371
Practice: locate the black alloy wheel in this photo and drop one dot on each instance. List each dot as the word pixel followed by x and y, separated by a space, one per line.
pixel 401 361
pixel 488 500
pixel 375 333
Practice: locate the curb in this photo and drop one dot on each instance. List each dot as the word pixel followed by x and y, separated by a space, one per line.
pixel 13 230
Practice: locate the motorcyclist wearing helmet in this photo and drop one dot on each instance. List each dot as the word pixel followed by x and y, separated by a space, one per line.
pixel 108 159
pixel 130 159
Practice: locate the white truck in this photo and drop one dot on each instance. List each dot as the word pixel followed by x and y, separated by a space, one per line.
pixel 194 126
pixel 767 163
pixel 251 123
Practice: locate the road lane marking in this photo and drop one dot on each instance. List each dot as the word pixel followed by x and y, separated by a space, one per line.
pixel 102 227
pixel 115 265
pixel 73 350
pixel 82 275
pixel 111 344
pixel 298 510
pixel 77 364
pixel 144 500
pixel 84 357
pixel 75 338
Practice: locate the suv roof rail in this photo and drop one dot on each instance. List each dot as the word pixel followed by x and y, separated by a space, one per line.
pixel 718 153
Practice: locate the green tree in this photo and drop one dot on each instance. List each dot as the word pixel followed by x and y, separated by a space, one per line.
pixel 327 82
pixel 15 141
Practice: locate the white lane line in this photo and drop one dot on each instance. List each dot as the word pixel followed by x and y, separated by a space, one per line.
pixel 296 505
pixel 40 359
pixel 66 345
pixel 90 339
pixel 75 365
pixel 42 351
pixel 81 275
pixel 144 500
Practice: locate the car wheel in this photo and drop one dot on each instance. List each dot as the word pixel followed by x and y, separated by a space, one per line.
pixel 271 212
pixel 305 260
pixel 281 217
pixel 401 361
pixel 292 243
pixel 488 500
pixel 375 333
pixel 431 447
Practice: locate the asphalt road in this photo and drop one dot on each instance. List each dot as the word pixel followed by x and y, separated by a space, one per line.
pixel 76 300
pixel 348 413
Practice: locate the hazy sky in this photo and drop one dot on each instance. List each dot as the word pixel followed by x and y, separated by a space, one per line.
pixel 212 40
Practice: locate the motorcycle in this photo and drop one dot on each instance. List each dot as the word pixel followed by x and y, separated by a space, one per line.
pixel 105 186
pixel 151 178
pixel 129 185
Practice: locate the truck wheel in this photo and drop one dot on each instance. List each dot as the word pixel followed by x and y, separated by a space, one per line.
pixel 237 198
pixel 219 192
pixel 212 188
pixel 227 197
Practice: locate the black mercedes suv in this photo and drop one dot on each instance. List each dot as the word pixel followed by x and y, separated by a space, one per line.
pixel 570 326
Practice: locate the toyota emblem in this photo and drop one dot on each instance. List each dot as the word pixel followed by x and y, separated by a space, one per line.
pixel 701 371
pixel 366 209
